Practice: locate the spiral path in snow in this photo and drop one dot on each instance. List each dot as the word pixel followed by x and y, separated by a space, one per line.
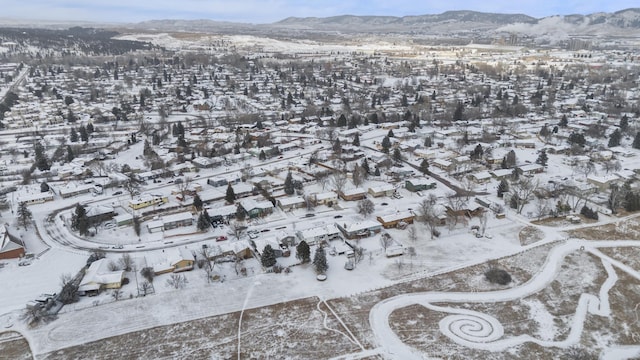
pixel 473 327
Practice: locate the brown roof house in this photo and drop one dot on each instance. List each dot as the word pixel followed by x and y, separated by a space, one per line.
pixel 10 246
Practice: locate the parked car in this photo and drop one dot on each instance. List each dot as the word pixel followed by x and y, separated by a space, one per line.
pixel 117 247
pixel 25 262
pixel 349 265
pixel 117 193
pixel 221 238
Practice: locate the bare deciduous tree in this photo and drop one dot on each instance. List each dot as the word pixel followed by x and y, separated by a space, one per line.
pixel 339 180
pixel 145 288
pixel 427 214
pixel 385 241
pixel 236 229
pixel 116 294
pixel 177 281
pixel 412 233
pixel 125 262
pixel 523 190
pixel 365 207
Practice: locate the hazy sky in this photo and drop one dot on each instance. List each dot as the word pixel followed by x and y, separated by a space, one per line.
pixel 263 11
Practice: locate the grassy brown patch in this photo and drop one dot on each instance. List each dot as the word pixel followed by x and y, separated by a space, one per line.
pixel 289 330
pixel 14 346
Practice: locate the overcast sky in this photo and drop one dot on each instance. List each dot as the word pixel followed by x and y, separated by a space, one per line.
pixel 265 11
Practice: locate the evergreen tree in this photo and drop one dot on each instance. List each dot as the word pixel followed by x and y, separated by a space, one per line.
pixel 365 166
pixel 477 152
pixel 320 260
pixel 79 220
pixel 542 158
pixel 24 215
pixel 377 172
pixel 262 156
pixel 424 166
pixel 288 184
pixel 71 117
pixel 386 144
pixel 337 146
pixel 503 188
pixel 624 123
pixel 404 102
pixel 240 213
pixel 197 202
pixel 73 136
pixel 427 142
pixel 614 138
pixel 268 258
pixel 204 222
pixel 84 135
pixel 636 141
pixel 356 140
pixel 397 155
pixel 342 120
pixel 70 154
pixel 303 253
pixel 544 132
pixel 577 139
pixel 390 133
pixel 564 122
pixel 42 162
pixel 90 128
pixel 230 197
pixel 44 187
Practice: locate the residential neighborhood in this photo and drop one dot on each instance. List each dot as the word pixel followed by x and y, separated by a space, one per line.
pixel 195 175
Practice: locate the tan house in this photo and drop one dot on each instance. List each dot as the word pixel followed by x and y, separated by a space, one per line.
pixel 98 277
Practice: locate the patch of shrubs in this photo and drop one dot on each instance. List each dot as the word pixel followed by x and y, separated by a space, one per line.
pixel 589 213
pixel 497 276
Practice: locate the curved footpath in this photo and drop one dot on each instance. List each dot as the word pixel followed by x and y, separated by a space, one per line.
pixel 484 332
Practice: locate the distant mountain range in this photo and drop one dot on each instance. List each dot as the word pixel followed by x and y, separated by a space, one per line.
pixel 621 23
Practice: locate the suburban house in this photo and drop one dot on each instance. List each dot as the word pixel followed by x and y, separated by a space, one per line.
pixel 530 169
pixel 603 182
pixel 359 229
pixel 278 249
pixel 36 198
pixel 443 164
pixel 225 213
pixel 224 181
pixel 206 163
pixel 419 184
pixel 481 177
pixel 99 213
pixel 10 246
pixel 254 208
pixel 291 202
pixel 326 198
pixel 353 194
pixel 382 190
pixel 392 220
pixel 99 277
pixel 237 249
pixel 123 219
pixel 73 189
pixel 146 201
pixel 177 220
pixel 174 260
pixel 316 235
